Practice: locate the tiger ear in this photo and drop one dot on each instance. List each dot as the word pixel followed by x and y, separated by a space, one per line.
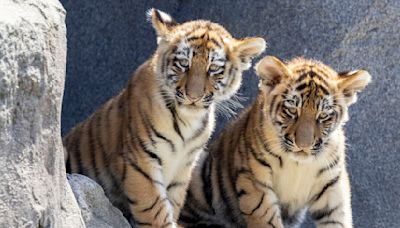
pixel 162 22
pixel 350 83
pixel 249 48
pixel 271 71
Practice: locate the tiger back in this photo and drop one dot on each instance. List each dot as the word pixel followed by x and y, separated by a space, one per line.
pixel 141 145
pixel 285 154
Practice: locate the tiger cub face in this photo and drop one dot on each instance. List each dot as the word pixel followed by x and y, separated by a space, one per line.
pixel 199 62
pixel 306 102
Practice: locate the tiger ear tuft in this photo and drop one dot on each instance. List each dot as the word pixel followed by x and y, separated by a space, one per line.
pixel 350 83
pixel 271 71
pixel 162 22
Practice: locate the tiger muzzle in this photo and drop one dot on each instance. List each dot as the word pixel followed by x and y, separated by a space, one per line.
pixel 195 86
pixel 305 133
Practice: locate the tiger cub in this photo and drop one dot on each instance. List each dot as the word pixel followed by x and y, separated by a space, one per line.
pixel 142 144
pixel 284 155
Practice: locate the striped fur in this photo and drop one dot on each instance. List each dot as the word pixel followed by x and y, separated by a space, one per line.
pixel 141 145
pixel 284 155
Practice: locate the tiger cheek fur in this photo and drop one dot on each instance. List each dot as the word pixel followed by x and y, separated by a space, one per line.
pixel 285 154
pixel 142 144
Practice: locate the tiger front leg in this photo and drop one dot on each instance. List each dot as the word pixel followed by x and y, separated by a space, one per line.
pixel 148 200
pixel 331 206
pixel 177 190
pixel 258 204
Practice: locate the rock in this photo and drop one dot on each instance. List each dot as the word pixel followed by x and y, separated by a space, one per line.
pixel 34 191
pixel 97 210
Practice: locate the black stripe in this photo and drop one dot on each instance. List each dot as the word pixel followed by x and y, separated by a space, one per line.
pixel 175 184
pixel 190 200
pixel 323 89
pixel 77 150
pixel 159 211
pixel 257 207
pixel 136 138
pixel 272 104
pixel 152 128
pixel 198 132
pixel 330 166
pixel 207 184
pixel 215 42
pixel 174 117
pixel 270 220
pixel 150 153
pixel 152 205
pixel 142 223
pixel 250 148
pixel 93 151
pixel 130 201
pixel 187 219
pixel 141 171
pixel 192 38
pixel 145 121
pixel 323 190
pixel 321 79
pixel 301 87
pixel 302 77
pixel 248 172
pixel 106 161
pixel 267 148
pixel 224 195
pixel 159 135
pixel 322 213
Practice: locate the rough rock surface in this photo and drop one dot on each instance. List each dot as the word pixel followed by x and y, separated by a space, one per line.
pixel 108 39
pixel 97 210
pixel 34 191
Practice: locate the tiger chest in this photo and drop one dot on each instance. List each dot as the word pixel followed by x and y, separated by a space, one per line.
pixel 294 185
pixel 179 155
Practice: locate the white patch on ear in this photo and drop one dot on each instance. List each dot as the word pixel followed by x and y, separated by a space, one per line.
pixel 164 16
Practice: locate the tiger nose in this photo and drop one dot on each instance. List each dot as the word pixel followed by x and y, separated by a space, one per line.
pixel 193 98
pixel 304 135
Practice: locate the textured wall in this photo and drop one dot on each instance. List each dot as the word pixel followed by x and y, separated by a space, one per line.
pixel 108 39
pixel 34 191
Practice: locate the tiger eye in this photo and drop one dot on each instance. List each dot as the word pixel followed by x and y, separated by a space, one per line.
pixel 184 62
pixel 214 67
pixel 292 110
pixel 322 116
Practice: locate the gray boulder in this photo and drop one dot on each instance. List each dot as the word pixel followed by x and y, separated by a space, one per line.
pixel 97 211
pixel 34 191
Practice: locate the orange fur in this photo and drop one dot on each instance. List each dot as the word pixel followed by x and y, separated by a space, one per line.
pixel 284 154
pixel 141 145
